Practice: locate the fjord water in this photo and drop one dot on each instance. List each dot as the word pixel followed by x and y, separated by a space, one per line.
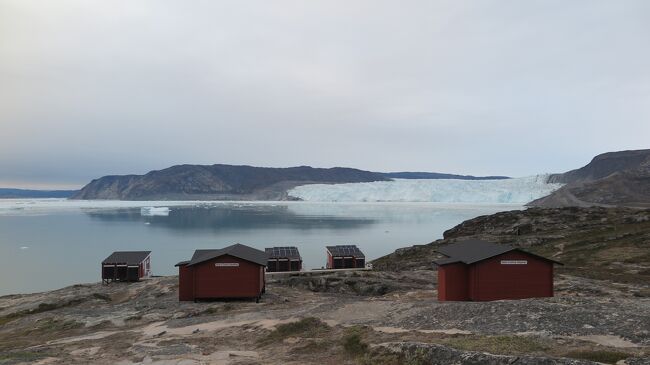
pixel 45 246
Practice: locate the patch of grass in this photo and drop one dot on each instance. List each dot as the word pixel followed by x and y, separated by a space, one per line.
pixel 504 345
pixel 306 327
pixel 42 307
pixel 313 347
pixel 54 325
pixel 102 296
pixel 219 309
pixel 6 319
pixel 604 356
pixel 383 357
pixel 352 342
pixel 35 333
pixel 7 358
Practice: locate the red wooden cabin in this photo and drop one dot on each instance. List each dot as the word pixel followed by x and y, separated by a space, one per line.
pixel 283 259
pixel 345 257
pixel 126 266
pixel 481 271
pixel 236 271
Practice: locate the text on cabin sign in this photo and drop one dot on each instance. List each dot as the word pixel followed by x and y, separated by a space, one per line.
pixel 226 264
pixel 514 262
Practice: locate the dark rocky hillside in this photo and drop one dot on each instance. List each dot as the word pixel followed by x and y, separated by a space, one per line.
pixel 6 193
pixel 218 182
pixel 596 242
pixel 604 165
pixel 611 179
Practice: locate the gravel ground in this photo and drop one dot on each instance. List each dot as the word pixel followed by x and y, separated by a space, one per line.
pixel 145 323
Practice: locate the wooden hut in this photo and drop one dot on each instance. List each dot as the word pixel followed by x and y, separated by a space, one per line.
pixel 480 271
pixel 283 259
pixel 126 266
pixel 235 271
pixel 345 257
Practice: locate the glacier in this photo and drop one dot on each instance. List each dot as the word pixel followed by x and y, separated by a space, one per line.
pixel 510 191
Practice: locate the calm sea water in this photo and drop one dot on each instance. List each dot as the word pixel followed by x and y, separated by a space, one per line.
pixel 51 247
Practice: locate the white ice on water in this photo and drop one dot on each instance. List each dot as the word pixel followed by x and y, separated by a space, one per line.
pixel 513 191
pixel 154 211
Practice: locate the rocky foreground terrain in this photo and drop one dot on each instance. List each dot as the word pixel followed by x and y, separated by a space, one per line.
pixel 388 315
pixel 369 317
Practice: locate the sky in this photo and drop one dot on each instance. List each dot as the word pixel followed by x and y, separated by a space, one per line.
pixel 92 88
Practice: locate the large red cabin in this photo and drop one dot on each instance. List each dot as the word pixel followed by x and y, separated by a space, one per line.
pixel 481 271
pixel 236 271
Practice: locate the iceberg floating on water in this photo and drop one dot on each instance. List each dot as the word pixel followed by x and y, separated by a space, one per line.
pixel 515 191
pixel 151 211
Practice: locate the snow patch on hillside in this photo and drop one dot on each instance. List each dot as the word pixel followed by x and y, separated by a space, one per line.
pixel 518 190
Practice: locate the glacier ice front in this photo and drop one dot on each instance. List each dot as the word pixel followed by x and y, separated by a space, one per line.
pixel 516 191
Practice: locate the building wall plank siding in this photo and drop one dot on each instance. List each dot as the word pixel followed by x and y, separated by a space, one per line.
pixel 186 283
pixel 512 275
pixel 452 282
pixel 479 270
pixel 242 281
pixel 492 280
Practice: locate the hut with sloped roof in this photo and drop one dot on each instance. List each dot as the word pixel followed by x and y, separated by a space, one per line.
pixel 345 257
pixel 235 271
pixel 126 266
pixel 280 259
pixel 480 271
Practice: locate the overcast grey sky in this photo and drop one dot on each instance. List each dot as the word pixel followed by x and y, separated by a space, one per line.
pixel 91 88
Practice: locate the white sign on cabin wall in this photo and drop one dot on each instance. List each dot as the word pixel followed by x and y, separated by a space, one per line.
pixel 514 262
pixel 226 264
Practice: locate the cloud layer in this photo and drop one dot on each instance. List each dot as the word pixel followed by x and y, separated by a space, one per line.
pixel 89 88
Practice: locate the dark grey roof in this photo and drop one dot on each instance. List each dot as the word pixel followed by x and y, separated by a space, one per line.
pixel 471 251
pixel 345 250
pixel 182 263
pixel 289 252
pixel 447 260
pixel 237 250
pixel 126 257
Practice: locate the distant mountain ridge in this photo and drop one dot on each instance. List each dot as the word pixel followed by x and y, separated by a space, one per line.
pixel 10 193
pixel 231 182
pixel 437 175
pixel 218 182
pixel 610 179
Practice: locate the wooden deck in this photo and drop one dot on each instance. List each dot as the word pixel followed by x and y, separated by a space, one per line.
pixel 313 272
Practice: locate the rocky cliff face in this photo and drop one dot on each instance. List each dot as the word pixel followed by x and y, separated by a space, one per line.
pixel 217 182
pixel 611 179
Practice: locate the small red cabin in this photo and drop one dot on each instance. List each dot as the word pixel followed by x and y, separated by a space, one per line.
pixel 283 259
pixel 345 257
pixel 236 271
pixel 126 266
pixel 481 271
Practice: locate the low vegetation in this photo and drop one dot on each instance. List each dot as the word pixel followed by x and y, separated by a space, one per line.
pixel 219 309
pixel 502 345
pixel 602 356
pixel 7 358
pixel 306 327
pixel 352 342
pixel 42 307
